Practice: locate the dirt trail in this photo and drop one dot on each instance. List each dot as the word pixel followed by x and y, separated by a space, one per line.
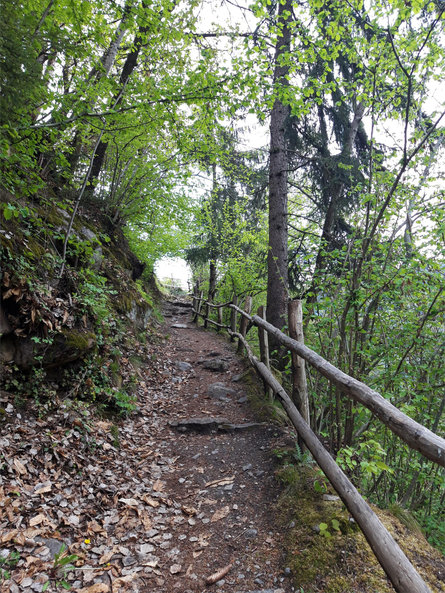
pixel 221 477
pixel 143 506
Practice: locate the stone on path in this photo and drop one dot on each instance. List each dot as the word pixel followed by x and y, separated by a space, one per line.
pixel 183 366
pixel 203 425
pixel 220 391
pixel 216 365
pixel 180 325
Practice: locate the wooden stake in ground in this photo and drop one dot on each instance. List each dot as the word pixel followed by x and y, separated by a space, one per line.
pixel 244 321
pixel 263 339
pixel 299 384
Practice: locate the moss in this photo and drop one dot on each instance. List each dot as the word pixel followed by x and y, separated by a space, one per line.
pixel 343 563
pixel 124 302
pixel 53 217
pixel 79 340
pixel 35 250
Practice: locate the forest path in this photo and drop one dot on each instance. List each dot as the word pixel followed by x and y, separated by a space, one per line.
pixel 219 477
pixel 142 506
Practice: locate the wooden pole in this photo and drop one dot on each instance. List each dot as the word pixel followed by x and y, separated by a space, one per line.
pixel 299 384
pixel 219 311
pixel 400 571
pixel 206 314
pixel 233 317
pixel 263 339
pixel 418 437
pixel 244 321
pixel 198 308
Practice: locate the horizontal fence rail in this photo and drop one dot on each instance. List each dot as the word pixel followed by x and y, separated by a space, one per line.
pixel 392 559
pixel 399 570
pixel 415 435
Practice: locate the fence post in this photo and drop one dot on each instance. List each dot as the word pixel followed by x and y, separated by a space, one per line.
pixel 206 314
pixel 263 339
pixel 299 384
pixel 195 301
pixel 220 317
pixel 233 317
pixel 244 322
pixel 198 308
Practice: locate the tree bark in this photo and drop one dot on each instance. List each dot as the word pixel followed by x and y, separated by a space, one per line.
pixel 277 258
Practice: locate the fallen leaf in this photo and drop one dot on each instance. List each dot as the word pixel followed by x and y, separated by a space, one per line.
pixel 122 580
pixel 220 514
pixel 131 502
pixel 37 520
pixel 43 489
pixel 189 510
pixel 216 576
pixel 20 467
pixel 158 486
pixel 150 563
pixel 96 588
pixel 150 501
pixel 106 557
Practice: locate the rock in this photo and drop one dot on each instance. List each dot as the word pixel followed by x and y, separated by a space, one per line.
pixel 5 326
pixel 54 545
pixel 66 347
pixel 330 497
pixel 215 365
pixel 201 425
pixel 240 376
pixel 180 325
pixel 183 366
pixel 90 236
pixel 250 533
pixel 219 390
pixel 175 568
pixel 242 400
pixel 139 313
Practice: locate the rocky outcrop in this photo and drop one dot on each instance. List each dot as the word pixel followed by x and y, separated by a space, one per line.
pixel 62 349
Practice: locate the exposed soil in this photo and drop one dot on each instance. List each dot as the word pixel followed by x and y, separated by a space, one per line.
pixel 180 496
pixel 145 506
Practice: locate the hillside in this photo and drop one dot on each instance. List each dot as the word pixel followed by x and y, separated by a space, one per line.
pixel 93 390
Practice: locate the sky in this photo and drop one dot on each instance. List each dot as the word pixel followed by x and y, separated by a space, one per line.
pixel 173 268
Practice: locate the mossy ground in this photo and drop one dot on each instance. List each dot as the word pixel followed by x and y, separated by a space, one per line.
pixel 343 562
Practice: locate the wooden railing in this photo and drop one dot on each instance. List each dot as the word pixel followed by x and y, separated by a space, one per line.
pixel 398 568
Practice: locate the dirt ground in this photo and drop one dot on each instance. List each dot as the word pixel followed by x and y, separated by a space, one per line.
pixel 147 505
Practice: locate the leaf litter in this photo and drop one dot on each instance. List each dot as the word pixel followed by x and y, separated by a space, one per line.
pixel 149 511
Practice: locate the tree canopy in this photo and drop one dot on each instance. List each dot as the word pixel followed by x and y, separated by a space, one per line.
pixel 150 113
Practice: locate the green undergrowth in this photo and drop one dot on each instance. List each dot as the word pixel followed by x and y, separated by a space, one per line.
pixel 325 550
pixel 70 334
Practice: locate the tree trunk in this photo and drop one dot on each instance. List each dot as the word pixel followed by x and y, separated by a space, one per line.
pixel 277 258
pixel 127 70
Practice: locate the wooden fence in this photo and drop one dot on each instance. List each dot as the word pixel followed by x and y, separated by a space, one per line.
pixel 398 568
